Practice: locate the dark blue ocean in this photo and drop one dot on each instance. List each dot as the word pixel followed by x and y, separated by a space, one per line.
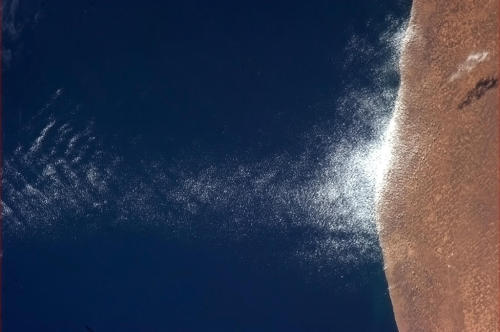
pixel 195 165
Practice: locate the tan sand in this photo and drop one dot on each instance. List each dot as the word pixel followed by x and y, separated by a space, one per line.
pixel 438 210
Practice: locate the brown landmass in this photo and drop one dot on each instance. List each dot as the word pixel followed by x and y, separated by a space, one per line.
pixel 438 209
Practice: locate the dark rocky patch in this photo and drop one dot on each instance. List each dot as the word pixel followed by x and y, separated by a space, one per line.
pixel 478 91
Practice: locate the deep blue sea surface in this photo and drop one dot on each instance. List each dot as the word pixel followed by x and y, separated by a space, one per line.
pixel 195 165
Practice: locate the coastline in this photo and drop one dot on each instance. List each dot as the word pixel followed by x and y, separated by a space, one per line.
pixel 438 209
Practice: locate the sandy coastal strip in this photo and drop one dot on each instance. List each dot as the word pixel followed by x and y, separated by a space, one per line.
pixel 438 209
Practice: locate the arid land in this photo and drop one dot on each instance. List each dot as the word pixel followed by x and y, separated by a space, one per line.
pixel 439 207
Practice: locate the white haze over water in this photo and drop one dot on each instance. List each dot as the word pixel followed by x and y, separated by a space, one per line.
pixel 62 170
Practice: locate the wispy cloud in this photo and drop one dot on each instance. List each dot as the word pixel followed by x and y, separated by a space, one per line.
pixel 469 64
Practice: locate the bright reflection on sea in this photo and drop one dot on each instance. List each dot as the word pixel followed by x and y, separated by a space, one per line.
pixel 329 189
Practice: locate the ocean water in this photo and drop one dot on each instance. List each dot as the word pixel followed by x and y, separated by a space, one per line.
pixel 196 167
